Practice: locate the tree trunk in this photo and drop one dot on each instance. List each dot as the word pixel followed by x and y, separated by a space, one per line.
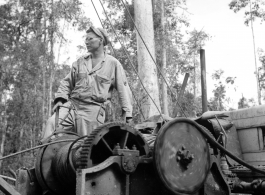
pixel 43 94
pixel 2 147
pixel 164 61
pixel 255 56
pixel 3 126
pixel 43 65
pixel 51 61
pixel 146 67
pixel 21 133
pixel 194 86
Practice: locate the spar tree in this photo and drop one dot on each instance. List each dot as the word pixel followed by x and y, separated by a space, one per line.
pixel 143 11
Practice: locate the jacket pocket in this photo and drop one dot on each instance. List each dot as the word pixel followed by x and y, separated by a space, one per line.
pixel 81 76
pixel 101 88
pixel 80 80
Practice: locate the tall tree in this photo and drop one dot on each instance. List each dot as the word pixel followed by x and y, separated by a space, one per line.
pixel 164 61
pixel 253 10
pixel 147 69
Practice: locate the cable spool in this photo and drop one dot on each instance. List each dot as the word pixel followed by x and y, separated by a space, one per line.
pixel 51 164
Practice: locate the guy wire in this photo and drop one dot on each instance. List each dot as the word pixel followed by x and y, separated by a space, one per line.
pixel 130 60
pixel 116 57
pixel 152 56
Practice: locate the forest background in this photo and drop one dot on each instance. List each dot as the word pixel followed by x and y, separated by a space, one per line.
pixel 33 34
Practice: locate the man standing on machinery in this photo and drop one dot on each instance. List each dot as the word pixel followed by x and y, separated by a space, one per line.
pixel 83 93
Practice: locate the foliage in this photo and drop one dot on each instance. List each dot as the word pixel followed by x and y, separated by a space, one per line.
pixel 257 9
pixel 243 103
pixel 261 69
pixel 28 31
pixel 246 103
pixel 190 106
pixel 217 102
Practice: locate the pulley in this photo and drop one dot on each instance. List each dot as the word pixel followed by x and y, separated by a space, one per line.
pixel 181 156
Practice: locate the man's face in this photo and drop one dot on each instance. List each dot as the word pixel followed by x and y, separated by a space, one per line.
pixel 92 41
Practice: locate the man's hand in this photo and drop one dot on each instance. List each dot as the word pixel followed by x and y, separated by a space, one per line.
pixel 59 103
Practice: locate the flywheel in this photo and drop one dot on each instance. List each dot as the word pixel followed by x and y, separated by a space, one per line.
pixel 101 142
pixel 181 156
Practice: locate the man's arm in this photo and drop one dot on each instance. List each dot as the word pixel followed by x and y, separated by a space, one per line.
pixel 124 91
pixel 66 86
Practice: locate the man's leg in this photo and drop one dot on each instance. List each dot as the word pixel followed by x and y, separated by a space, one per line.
pixel 89 118
pixel 68 123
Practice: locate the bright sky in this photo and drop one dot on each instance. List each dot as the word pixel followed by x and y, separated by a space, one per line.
pixel 231 46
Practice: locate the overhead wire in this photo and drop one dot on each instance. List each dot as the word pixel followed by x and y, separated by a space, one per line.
pixel 114 53
pixel 152 56
pixel 130 60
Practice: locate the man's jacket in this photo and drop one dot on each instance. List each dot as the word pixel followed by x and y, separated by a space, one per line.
pixel 85 84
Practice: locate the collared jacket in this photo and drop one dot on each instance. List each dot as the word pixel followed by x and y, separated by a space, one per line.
pixel 85 84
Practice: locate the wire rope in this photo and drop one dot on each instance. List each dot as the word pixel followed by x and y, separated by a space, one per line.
pixel 72 144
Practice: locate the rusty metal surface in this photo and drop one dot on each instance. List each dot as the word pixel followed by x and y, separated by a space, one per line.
pixel 246 174
pixel 27 183
pixel 108 179
pixel 215 183
pixel 248 117
pixel 101 143
pixel 7 188
pixel 105 178
pixel 255 187
pixel 181 156
pixel 145 181
pixel 44 167
pixel 233 144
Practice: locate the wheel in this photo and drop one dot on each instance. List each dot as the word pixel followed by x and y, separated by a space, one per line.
pixel 181 156
pixel 101 142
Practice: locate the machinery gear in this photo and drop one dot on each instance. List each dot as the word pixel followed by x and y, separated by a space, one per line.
pixel 101 143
